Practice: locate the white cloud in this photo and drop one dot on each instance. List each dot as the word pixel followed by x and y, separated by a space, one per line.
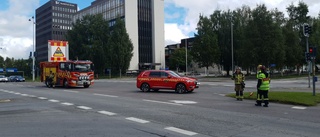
pixel 16 30
pixel 173 33
pixel 15 47
pixel 206 7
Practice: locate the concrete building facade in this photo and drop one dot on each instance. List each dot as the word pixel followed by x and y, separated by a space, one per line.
pixel 144 21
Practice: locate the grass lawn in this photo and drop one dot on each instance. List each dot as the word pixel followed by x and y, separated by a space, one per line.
pixel 294 98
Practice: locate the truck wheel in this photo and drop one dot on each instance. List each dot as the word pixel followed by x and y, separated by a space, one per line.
pixel 47 83
pixel 65 83
pixel 181 88
pixel 86 86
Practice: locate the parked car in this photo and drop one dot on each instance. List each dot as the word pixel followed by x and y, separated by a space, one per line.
pixel 165 79
pixel 17 79
pixel 3 78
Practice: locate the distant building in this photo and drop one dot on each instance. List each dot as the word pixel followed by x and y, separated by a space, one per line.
pixel 193 67
pixel 53 20
pixel 171 48
pixel 144 21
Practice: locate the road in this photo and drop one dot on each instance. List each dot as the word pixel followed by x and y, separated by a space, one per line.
pixel 116 108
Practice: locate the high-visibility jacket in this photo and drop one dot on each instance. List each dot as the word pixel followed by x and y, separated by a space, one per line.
pixel 238 78
pixel 263 81
pixel 258 73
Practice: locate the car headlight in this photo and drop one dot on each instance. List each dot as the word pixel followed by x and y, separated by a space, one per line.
pixel 189 81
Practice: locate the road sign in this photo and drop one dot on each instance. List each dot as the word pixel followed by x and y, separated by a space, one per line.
pixel 1 70
pixel 11 70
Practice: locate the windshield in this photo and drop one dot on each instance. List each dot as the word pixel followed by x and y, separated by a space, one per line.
pixel 174 74
pixel 82 67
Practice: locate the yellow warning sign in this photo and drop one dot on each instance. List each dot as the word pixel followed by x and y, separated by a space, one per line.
pixel 58 53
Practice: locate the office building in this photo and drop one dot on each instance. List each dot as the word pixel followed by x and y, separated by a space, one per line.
pixel 53 20
pixel 144 21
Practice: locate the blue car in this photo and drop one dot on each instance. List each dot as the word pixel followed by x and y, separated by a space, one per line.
pixel 17 79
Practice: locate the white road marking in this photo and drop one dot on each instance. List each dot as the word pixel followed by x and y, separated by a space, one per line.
pixel 84 107
pixel 10 92
pixel 154 101
pixel 32 96
pixel 52 100
pixel 107 113
pixel 183 102
pixel 137 120
pixel 17 93
pixel 24 95
pixel 42 98
pixel 185 132
pixel 72 91
pixel 222 94
pixel 67 104
pixel 296 107
pixel 104 95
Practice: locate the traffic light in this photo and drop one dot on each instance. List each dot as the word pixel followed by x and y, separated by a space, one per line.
pixel 309 30
pixel 313 51
pixel 306 30
pixel 308 57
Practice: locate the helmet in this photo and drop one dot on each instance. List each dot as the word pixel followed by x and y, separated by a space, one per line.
pixel 238 68
pixel 263 67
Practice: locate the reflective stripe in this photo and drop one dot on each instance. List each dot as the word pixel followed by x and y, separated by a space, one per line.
pixel 265 85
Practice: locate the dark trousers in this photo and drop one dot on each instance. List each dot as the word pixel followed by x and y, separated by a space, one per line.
pixel 262 96
pixel 239 91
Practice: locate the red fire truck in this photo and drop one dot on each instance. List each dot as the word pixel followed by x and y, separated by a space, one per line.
pixel 68 73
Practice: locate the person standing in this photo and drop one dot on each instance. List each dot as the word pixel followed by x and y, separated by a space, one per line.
pixel 238 78
pixel 263 86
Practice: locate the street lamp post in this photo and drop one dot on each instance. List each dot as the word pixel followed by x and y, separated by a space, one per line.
pixel 186 44
pixel 232 62
pixel 33 57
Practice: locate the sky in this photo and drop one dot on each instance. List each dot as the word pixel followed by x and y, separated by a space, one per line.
pixel 181 18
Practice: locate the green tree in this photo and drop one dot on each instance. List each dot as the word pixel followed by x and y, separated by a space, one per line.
pixel 297 17
pixel 121 48
pixel 88 40
pixel 177 59
pixel 205 50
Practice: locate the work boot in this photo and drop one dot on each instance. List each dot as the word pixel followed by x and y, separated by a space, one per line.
pixel 258 103
pixel 265 105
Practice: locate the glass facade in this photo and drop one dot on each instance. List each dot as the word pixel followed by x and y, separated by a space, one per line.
pixel 145 31
pixel 110 9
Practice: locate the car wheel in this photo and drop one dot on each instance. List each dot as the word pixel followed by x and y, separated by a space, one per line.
pixel 145 87
pixel 180 88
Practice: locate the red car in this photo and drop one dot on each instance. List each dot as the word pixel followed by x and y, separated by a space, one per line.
pixel 165 79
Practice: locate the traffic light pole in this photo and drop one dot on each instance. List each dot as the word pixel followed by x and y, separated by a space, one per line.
pixel 309 64
pixel 313 76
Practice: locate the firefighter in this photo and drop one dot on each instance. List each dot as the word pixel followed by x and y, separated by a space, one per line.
pixel 238 78
pixel 51 79
pixel 263 86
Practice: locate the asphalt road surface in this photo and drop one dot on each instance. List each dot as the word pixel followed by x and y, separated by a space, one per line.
pixel 116 108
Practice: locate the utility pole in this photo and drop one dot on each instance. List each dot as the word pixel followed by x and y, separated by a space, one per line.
pixel 186 44
pixel 33 57
pixel 232 46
